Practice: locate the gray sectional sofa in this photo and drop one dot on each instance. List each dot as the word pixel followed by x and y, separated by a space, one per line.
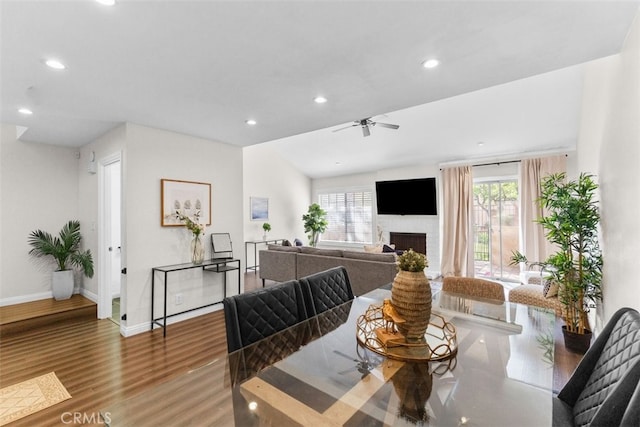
pixel 367 271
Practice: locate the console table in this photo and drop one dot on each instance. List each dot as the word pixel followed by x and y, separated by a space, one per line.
pixel 212 265
pixel 255 244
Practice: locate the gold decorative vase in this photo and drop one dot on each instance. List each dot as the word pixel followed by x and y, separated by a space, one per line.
pixel 411 297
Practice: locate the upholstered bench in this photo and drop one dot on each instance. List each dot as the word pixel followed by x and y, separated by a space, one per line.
pixel 533 294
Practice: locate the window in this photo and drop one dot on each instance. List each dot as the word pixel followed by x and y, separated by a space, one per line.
pixel 349 215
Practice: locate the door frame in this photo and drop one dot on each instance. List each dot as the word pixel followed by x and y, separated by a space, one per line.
pixel 495 180
pixel 105 309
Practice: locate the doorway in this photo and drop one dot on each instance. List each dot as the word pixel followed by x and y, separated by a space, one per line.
pixel 111 298
pixel 496 227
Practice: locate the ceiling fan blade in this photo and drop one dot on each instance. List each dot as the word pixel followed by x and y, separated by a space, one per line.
pixel 365 131
pixel 346 127
pixel 387 125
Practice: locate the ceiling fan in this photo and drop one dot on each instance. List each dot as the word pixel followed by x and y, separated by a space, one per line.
pixel 366 123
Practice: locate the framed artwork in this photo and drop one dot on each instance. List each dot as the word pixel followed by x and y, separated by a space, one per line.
pixel 192 199
pixel 259 208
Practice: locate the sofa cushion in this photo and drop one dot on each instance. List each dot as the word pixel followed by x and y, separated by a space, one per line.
pixel 283 248
pixel 388 248
pixel 319 251
pixel 381 257
pixel 376 249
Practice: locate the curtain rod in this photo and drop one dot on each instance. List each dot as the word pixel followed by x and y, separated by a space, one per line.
pixel 497 163
pixel 500 163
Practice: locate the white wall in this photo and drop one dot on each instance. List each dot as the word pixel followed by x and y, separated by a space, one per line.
pixel 44 186
pixel 613 86
pixel 39 188
pixel 289 192
pixel 151 155
pixel 397 223
pixel 111 143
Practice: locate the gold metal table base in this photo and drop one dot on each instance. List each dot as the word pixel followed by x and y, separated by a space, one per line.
pixel 440 341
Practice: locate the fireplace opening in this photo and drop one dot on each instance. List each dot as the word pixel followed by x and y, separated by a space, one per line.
pixel 406 241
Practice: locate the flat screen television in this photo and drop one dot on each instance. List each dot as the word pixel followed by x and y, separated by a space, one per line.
pixel 407 197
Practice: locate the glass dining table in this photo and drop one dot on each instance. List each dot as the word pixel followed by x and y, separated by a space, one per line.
pixel 318 373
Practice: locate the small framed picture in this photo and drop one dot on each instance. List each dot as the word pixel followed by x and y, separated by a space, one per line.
pixel 192 199
pixel 259 208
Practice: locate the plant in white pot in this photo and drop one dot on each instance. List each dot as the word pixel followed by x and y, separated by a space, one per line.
pixel 315 223
pixel 266 227
pixel 65 250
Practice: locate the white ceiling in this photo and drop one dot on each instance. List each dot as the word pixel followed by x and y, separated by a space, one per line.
pixel 508 75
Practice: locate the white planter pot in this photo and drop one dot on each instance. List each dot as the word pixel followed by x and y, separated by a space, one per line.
pixel 62 284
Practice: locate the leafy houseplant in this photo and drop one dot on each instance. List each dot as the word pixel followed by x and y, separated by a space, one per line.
pixel 315 223
pixel 572 225
pixel 65 250
pixel 266 227
pixel 571 222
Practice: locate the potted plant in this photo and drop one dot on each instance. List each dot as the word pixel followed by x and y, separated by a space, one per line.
pixel 411 295
pixel 65 250
pixel 570 221
pixel 315 223
pixel 266 227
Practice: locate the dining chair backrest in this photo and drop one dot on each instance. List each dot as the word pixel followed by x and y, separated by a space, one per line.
pixel 254 315
pixel 473 287
pixel 606 378
pixel 326 289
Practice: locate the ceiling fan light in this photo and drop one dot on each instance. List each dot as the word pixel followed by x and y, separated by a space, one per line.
pixel 430 63
pixel 319 99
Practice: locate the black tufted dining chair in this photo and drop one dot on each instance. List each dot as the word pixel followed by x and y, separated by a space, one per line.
pixel 255 315
pixel 606 379
pixel 326 289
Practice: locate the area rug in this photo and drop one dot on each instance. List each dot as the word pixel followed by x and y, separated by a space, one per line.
pixel 25 398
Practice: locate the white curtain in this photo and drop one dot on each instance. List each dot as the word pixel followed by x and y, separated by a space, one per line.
pixel 457 248
pixel 533 244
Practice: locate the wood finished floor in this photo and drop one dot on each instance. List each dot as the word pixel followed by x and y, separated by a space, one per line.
pixel 100 368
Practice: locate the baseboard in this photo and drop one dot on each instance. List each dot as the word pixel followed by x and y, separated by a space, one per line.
pixel 89 295
pixel 128 331
pixel 25 298
pixel 45 295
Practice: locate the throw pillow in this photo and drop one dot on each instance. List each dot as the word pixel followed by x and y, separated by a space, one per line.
pixel 550 289
pixel 387 248
pixel 285 242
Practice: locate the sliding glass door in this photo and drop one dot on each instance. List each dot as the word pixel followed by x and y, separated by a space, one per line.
pixel 496 228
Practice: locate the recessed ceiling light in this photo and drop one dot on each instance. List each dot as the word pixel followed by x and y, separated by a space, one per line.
pixel 107 2
pixel 480 144
pixel 251 122
pixel 319 99
pixel 430 63
pixel 55 64
pixel 25 111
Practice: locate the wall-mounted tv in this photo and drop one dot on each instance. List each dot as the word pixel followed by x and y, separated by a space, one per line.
pixel 407 197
